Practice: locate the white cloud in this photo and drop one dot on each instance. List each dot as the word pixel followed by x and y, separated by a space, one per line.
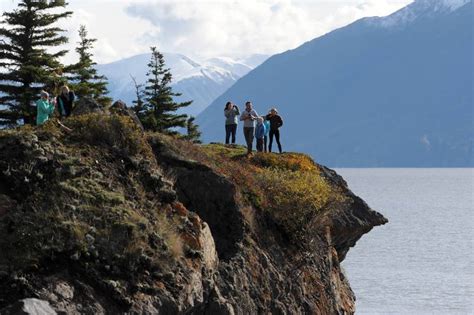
pixel 209 27
pixel 248 26
pixel 106 20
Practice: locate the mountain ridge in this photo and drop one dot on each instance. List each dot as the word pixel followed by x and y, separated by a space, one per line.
pixel 200 81
pixel 367 96
pixel 417 8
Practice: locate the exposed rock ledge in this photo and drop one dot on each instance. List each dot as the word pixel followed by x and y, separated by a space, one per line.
pixel 102 221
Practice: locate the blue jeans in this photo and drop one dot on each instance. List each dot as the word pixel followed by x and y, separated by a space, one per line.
pixel 230 130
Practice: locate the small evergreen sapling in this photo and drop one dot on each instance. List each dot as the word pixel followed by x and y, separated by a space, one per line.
pixel 85 80
pixel 193 133
pixel 160 108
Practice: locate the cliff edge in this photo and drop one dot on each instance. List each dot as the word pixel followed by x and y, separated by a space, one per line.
pixel 106 219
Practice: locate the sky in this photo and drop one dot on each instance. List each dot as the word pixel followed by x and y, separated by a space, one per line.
pixel 209 28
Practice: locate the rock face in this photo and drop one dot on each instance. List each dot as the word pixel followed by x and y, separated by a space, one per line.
pixel 137 225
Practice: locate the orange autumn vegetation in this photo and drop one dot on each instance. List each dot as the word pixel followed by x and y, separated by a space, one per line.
pixel 288 186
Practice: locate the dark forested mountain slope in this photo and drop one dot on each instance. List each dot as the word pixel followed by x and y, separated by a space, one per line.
pixel 390 91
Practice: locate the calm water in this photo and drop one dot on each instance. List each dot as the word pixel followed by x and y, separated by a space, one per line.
pixel 422 261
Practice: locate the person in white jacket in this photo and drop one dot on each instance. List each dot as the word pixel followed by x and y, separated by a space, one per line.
pixel 249 116
pixel 231 113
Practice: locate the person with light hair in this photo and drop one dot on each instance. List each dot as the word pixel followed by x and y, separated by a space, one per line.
pixel 65 101
pixel 275 123
pixel 44 108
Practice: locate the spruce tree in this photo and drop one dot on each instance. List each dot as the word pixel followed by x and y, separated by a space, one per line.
pixel 85 80
pixel 160 108
pixel 27 64
pixel 193 133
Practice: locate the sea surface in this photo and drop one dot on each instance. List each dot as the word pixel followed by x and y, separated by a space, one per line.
pixel 422 261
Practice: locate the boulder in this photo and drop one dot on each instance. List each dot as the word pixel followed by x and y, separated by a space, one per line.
pixel 87 105
pixel 29 307
pixel 208 246
pixel 119 107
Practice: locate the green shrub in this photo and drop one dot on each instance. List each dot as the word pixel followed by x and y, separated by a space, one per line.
pixel 288 187
pixel 294 197
pixel 113 131
pixel 288 161
pixel 225 151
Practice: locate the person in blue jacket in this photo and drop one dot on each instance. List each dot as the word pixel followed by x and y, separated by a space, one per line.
pixel 266 122
pixel 260 130
pixel 44 107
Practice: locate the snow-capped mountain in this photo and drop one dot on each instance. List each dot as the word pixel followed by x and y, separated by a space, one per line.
pixel 200 81
pixel 417 9
pixel 393 91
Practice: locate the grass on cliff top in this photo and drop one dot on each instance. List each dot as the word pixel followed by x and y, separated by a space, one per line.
pixel 92 205
pixel 107 131
pixel 288 186
pixel 115 131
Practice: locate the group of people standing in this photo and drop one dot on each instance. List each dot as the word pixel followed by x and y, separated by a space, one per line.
pixel 46 106
pixel 259 127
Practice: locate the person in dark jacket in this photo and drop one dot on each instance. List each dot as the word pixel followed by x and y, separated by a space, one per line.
pixel 65 101
pixel 231 113
pixel 275 123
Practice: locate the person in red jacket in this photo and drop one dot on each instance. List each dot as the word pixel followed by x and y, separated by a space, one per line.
pixel 275 123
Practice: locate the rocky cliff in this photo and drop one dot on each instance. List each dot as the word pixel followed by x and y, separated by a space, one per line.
pixel 106 219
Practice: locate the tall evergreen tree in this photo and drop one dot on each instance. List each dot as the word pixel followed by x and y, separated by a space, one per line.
pixel 193 133
pixel 27 65
pixel 85 80
pixel 160 108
